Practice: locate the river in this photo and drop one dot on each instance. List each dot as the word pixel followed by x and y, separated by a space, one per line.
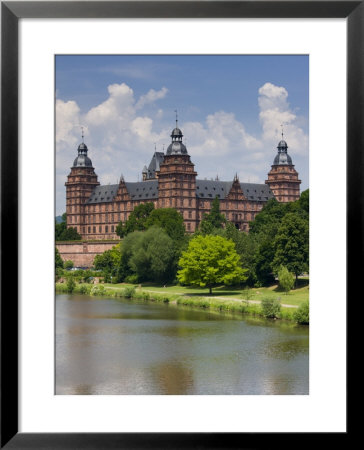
pixel 112 346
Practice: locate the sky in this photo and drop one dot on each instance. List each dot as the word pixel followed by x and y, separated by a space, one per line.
pixel 231 109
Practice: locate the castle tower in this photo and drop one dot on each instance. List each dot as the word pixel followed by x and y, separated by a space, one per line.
pixel 177 181
pixel 283 178
pixel 79 185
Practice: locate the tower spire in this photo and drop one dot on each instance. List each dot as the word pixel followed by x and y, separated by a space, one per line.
pixel 176 118
pixel 82 134
pixel 282 130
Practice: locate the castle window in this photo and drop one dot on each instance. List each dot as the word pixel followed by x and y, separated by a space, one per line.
pixel 112 228
pixel 89 229
pixel 190 214
pixel 100 228
pixel 106 229
pixel 188 226
pixel 94 229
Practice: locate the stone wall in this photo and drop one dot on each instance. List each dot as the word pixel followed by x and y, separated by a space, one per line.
pixel 83 253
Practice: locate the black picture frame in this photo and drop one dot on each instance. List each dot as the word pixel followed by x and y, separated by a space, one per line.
pixel 11 12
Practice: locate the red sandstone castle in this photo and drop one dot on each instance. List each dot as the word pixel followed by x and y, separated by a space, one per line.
pixel 171 181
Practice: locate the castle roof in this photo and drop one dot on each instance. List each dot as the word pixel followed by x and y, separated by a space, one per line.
pixel 205 189
pixel 282 158
pixel 155 163
pixel 82 159
pixel 212 188
pixel 101 194
pixel 143 190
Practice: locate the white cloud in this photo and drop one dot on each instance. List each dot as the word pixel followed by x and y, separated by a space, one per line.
pixel 276 111
pixel 151 96
pixel 68 118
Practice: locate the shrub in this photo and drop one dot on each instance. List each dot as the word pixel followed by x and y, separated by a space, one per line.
pixel 301 315
pixel 129 292
pixel 98 290
pixel 59 273
pixel 270 307
pixel 286 279
pixel 84 289
pixel 68 264
pixel 71 284
pixel 132 279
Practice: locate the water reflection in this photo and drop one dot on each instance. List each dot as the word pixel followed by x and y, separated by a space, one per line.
pixel 120 347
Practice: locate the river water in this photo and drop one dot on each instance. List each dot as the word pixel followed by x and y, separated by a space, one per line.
pixel 113 346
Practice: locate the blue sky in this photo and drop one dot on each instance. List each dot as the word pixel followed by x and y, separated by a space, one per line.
pixel 230 109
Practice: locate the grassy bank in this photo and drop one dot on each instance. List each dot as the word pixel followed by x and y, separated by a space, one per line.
pixel 228 301
pixel 294 297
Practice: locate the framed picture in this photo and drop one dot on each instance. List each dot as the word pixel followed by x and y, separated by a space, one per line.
pixel 15 182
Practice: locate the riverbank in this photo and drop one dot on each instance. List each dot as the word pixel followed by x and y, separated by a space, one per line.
pixel 227 303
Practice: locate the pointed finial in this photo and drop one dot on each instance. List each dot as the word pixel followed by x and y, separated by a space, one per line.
pixel 282 130
pixel 155 146
pixel 176 118
pixel 82 133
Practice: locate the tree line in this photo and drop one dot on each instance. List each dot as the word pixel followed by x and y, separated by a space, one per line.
pixel 156 247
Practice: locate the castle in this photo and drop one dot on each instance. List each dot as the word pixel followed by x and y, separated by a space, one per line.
pixel 170 181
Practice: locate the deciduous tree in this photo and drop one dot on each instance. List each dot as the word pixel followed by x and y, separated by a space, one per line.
pixel 209 261
pixel 214 219
pixel 136 221
pixel 291 244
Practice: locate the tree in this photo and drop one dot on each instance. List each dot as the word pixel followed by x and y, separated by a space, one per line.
pixel 68 264
pixel 246 246
pixel 210 260
pixel 304 200
pixel 108 262
pixel 58 259
pixel 170 220
pixel 214 219
pixel 149 255
pixel 136 221
pixel 286 279
pixel 62 233
pixel 263 260
pixel 291 244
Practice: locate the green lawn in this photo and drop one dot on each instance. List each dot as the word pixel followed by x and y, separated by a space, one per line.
pixel 294 297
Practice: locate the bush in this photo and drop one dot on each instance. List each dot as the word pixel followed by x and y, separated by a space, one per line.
pixel 68 264
pixel 132 279
pixel 270 307
pixel 129 292
pixel 98 290
pixel 71 284
pixel 59 273
pixel 286 279
pixel 302 314
pixel 84 289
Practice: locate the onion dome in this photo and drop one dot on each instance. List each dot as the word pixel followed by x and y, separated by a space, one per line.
pixel 282 157
pixel 82 159
pixel 176 147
